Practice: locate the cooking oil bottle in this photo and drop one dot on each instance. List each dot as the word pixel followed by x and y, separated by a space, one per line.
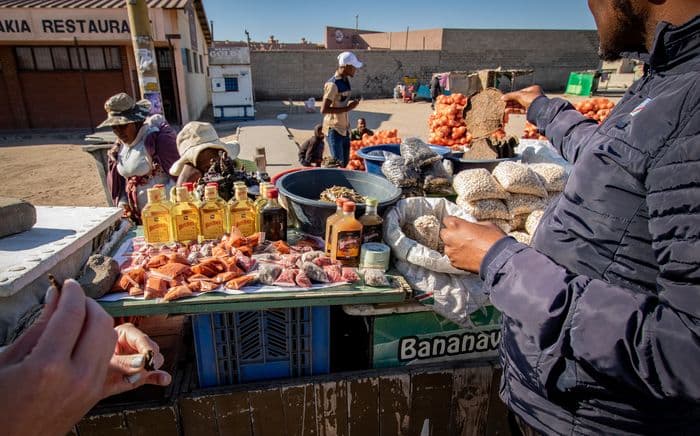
pixel 346 238
pixel 212 214
pixel 273 218
pixel 185 215
pixel 157 224
pixel 371 222
pixel 330 221
pixel 242 212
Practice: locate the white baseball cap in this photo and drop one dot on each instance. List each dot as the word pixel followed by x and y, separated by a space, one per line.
pixel 349 58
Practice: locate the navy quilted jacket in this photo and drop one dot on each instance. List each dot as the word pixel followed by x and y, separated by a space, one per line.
pixel 601 330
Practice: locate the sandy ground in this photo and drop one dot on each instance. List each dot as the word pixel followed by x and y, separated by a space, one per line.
pixel 52 169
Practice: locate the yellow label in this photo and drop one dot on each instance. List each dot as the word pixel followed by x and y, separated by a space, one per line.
pixel 187 227
pixel 244 221
pixel 212 224
pixel 157 228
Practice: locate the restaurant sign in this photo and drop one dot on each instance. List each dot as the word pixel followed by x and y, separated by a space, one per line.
pixel 424 337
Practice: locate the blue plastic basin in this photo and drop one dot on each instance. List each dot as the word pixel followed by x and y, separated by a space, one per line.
pixel 373 164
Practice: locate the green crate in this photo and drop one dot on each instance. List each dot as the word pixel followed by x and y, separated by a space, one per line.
pixel 580 84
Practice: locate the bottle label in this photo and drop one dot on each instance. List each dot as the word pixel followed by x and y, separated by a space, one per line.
pixel 348 245
pixel 212 225
pixel 157 228
pixel 372 233
pixel 186 227
pixel 244 221
pixel 274 224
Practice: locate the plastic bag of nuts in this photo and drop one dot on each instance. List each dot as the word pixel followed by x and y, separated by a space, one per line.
pixel 553 176
pixel 485 209
pixel 517 178
pixel 519 204
pixel 478 184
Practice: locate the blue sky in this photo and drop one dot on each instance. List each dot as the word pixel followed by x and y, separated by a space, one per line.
pixel 291 20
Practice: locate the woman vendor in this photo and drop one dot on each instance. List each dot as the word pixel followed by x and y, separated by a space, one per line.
pixel 198 144
pixel 142 155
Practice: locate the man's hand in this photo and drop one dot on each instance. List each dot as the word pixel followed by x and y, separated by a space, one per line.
pixel 55 372
pixel 127 366
pixel 467 243
pixel 519 102
pixel 353 104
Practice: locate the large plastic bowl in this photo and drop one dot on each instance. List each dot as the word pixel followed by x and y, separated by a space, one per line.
pixel 373 164
pixel 460 164
pixel 300 192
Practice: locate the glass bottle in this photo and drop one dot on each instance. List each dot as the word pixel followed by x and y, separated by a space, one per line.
pixel 371 222
pixel 346 239
pixel 242 212
pixel 169 202
pixel 212 214
pixel 331 220
pixel 259 203
pixel 273 218
pixel 221 203
pixel 157 224
pixel 185 216
pixel 194 198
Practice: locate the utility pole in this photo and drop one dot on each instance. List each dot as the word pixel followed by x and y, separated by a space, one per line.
pixel 145 54
pixel 357 22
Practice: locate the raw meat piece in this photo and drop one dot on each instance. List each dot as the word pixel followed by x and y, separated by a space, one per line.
pixel 302 280
pixel 286 279
pixel 290 260
pixel 350 275
pixel 269 273
pixel 334 272
pixel 155 287
pixel 315 272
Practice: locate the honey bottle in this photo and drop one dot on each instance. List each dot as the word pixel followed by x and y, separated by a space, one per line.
pixel 242 212
pixel 185 217
pixel 346 238
pixel 273 218
pixel 330 221
pixel 157 224
pixel 212 214
pixel 371 222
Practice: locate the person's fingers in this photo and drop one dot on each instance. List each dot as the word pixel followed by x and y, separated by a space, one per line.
pixel 16 351
pixel 131 338
pixel 128 363
pixel 66 323
pixel 133 381
pixel 96 344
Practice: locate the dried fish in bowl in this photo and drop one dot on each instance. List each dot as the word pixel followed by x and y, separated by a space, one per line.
pixel 334 192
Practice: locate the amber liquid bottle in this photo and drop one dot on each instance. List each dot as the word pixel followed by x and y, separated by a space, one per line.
pixel 273 218
pixel 185 217
pixel 329 224
pixel 372 223
pixel 242 212
pixel 212 214
pixel 157 224
pixel 347 237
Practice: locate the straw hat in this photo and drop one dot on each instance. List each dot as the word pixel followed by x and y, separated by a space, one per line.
pixel 122 109
pixel 196 136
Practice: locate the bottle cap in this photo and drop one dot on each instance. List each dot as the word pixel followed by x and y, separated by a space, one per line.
pixel 211 191
pixel 189 186
pixel 159 186
pixel 349 206
pixel 272 193
pixel 339 201
pixel 154 194
pixel 213 184
pixel 372 202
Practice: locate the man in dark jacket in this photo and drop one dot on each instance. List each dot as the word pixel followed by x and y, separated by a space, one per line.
pixel 435 90
pixel 311 151
pixel 601 316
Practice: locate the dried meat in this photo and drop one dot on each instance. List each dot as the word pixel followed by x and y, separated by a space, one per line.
pixel 269 273
pixel 286 279
pixel 315 272
pixel 302 280
pixel 350 275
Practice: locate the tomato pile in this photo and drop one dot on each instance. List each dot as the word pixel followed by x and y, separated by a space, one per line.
pixel 447 124
pixel 380 137
pixel 594 108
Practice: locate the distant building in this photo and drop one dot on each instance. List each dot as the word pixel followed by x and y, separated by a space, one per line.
pixel 231 82
pixel 61 59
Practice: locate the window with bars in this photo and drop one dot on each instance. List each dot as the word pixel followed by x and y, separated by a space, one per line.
pixel 187 60
pixel 196 64
pixel 201 64
pixel 70 58
pixel 231 84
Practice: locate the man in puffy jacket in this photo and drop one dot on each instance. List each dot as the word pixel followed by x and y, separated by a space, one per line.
pixel 601 315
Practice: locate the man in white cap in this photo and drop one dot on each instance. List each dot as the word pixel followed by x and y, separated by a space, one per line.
pixel 337 104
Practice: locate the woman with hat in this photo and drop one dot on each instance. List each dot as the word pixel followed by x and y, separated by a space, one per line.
pixel 198 144
pixel 142 155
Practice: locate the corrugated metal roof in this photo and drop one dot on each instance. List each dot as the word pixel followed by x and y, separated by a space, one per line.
pixel 89 4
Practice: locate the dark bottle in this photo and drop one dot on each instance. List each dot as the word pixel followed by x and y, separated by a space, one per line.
pixel 273 218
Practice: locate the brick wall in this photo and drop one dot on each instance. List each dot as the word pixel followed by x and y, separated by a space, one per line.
pixel 553 54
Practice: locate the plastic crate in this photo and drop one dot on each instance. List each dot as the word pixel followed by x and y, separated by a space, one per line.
pixel 580 84
pixel 240 347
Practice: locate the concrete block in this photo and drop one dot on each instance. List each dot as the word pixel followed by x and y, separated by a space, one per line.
pixel 16 216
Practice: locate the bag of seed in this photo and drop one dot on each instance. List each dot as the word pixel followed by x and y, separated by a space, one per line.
pixel 485 210
pixel 517 178
pixel 533 220
pixel 398 173
pixel 553 176
pixel 520 237
pixel 478 184
pixel 417 154
pixel 519 204
pixel 456 292
pixel 518 222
